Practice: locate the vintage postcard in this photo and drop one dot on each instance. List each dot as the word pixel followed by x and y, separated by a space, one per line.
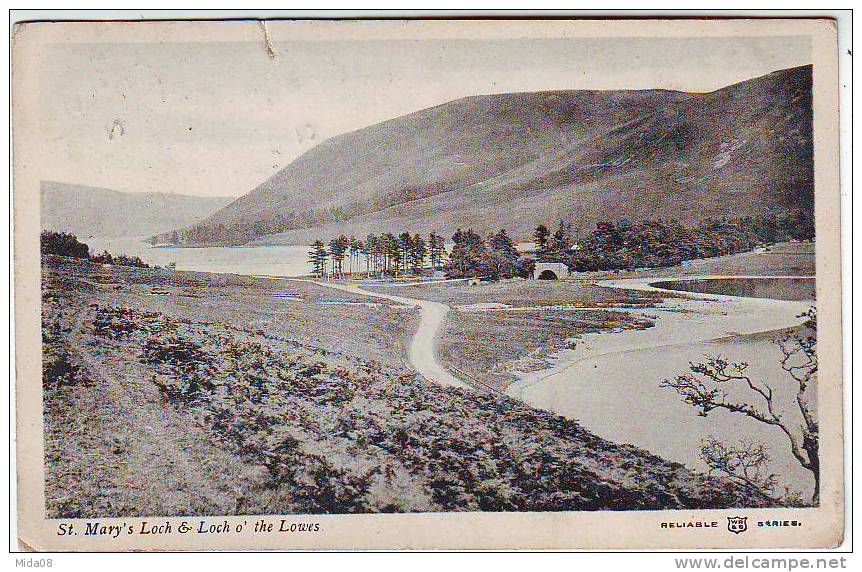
pixel 427 284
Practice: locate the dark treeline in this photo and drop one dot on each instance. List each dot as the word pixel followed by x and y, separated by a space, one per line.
pixel 62 244
pixel 617 245
pixel 654 243
pixel 242 232
pixel 390 255
pixel 378 255
pixel 65 244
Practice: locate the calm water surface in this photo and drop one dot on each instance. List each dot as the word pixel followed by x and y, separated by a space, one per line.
pixel 247 260
pixel 253 260
pixel 775 288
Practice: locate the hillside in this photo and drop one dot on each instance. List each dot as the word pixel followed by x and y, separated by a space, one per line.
pixel 513 160
pixel 88 211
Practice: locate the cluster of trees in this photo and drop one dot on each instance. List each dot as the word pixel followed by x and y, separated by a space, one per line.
pixel 65 244
pixel 119 260
pixel 654 243
pixel 617 245
pixel 494 258
pixel 62 244
pixel 381 255
pixel 547 244
pixel 390 255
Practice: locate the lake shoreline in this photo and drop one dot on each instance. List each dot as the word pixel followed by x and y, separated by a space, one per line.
pixel 610 377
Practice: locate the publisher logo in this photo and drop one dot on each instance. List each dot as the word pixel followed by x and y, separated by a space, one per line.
pixel 737 524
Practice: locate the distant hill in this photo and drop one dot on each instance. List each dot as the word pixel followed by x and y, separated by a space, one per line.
pixel 88 211
pixel 514 160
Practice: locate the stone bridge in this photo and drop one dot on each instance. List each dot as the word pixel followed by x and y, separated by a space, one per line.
pixel 551 271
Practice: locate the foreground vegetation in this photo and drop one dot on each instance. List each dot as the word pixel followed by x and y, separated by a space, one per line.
pixel 202 404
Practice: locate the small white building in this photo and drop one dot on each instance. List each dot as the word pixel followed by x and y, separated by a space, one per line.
pixel 551 271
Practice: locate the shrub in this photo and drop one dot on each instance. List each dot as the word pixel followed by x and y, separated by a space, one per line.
pixel 62 244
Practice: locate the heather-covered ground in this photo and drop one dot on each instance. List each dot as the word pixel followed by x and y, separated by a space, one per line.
pixel 209 394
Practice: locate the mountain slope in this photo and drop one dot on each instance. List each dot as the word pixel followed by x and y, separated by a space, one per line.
pixel 514 160
pixel 88 211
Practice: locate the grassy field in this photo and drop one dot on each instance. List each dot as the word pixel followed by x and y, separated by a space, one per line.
pixel 784 259
pixel 489 345
pixel 542 318
pixel 774 288
pixel 321 317
pixel 178 393
pixel 523 293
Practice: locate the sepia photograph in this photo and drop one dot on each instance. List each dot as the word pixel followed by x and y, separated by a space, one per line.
pixel 439 276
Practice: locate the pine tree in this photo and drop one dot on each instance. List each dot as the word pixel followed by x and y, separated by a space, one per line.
pixel 387 240
pixel 502 258
pixel 468 256
pixel 418 252
pixel 562 239
pixel 541 237
pixel 368 248
pixel 317 256
pixel 337 250
pixel 396 255
pixel 405 242
pixel 500 242
pixel 436 250
pixel 355 248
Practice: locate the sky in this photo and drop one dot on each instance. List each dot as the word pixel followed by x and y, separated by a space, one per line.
pixel 218 119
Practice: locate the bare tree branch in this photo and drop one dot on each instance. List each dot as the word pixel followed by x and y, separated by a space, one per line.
pixel 703 390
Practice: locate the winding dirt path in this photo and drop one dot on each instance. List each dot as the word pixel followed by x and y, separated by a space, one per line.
pixel 423 347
